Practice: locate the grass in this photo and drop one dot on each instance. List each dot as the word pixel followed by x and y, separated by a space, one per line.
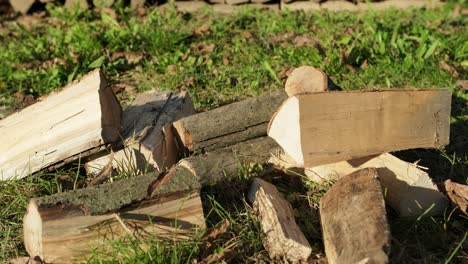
pixel 220 59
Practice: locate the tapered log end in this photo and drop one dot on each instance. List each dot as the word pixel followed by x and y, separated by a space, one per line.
pixel 285 129
pixel 32 231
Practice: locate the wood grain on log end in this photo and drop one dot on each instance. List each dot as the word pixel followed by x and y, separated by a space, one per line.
pixel 354 220
pixel 306 79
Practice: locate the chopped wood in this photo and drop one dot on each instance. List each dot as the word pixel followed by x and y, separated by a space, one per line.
pixel 81 4
pixel 66 227
pixel 283 238
pixel 229 124
pixel 408 189
pixel 149 146
pixel 82 117
pixel 20 260
pixel 335 126
pixel 21 6
pixel 306 79
pixel 354 221
pixel 458 194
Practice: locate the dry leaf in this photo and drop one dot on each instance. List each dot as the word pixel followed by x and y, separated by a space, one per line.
pixel 130 57
pixel 225 60
pixel 445 66
pixel 458 194
pixel 202 30
pixel 171 68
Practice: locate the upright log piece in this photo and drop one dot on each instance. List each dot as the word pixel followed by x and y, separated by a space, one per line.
pixel 81 117
pixel 283 237
pixel 335 126
pixel 354 220
pixel 307 79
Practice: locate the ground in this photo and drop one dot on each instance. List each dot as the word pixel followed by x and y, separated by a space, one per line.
pixel 221 58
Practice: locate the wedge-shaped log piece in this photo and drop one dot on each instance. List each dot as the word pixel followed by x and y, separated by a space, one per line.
pixel 322 128
pixel 83 116
pixel 408 189
pixel 148 144
pixel 67 227
pixel 458 194
pixel 283 238
pixel 354 221
pixel 229 124
pixel 22 6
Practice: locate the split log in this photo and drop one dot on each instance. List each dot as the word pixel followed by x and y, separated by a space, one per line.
pixel 229 124
pixel 81 4
pixel 67 227
pixel 335 126
pixel 82 117
pixel 354 221
pixel 283 238
pixel 408 189
pixel 458 194
pixel 307 79
pixel 22 6
pixel 148 145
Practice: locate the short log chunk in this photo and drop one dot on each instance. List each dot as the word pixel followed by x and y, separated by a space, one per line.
pixel 458 194
pixel 354 221
pixel 283 238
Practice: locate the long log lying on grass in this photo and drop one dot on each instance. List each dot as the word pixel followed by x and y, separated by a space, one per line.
pixel 222 164
pixel 408 189
pixel 67 227
pixel 229 124
pixel 283 238
pixel 335 126
pixel 81 117
pixel 148 146
pixel 354 221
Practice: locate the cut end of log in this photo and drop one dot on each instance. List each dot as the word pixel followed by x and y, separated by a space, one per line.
pixel 32 231
pixel 284 128
pixel 306 79
pixel 111 111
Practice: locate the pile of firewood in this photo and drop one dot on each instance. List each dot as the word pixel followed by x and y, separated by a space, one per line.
pixel 24 6
pixel 310 128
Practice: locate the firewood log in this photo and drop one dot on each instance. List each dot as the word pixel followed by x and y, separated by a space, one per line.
pixel 81 118
pixel 67 227
pixel 354 220
pixel 329 127
pixel 283 238
pixel 148 146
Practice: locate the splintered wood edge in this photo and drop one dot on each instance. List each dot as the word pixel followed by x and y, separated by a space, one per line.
pixel 285 129
pixel 183 134
pixel 32 231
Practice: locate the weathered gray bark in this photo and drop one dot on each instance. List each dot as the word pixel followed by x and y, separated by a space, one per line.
pixel 229 124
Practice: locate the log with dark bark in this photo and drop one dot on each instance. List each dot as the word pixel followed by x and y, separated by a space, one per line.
pixel 146 145
pixel 354 220
pixel 61 127
pixel 67 227
pixel 223 164
pixel 229 124
pixel 284 239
